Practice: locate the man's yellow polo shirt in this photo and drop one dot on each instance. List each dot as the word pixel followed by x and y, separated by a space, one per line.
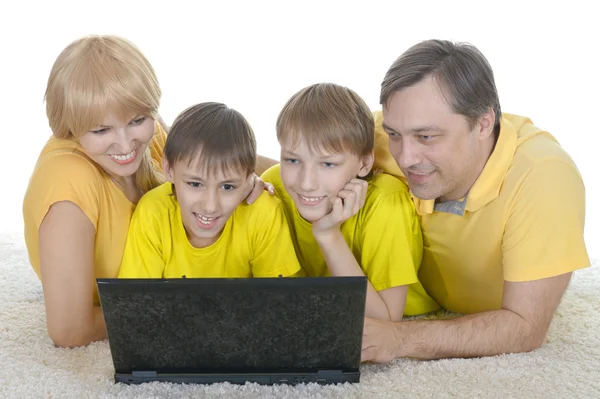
pixel 522 220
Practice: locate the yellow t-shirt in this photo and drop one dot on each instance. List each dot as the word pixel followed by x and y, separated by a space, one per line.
pixel 522 220
pixel 384 237
pixel 255 242
pixel 64 173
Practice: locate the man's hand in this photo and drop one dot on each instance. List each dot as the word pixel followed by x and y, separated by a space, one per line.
pixel 344 206
pixel 256 188
pixel 379 339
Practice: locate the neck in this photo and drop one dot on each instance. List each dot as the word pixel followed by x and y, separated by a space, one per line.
pixel 129 187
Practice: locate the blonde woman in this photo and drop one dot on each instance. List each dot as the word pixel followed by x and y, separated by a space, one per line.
pixel 107 140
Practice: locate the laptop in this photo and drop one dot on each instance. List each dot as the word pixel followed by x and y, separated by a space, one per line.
pixel 211 330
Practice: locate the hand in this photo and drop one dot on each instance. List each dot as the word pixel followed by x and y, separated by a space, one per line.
pixel 256 188
pixel 344 206
pixel 380 338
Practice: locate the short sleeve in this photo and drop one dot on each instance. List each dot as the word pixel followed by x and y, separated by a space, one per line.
pixel 143 255
pixel 391 240
pixel 545 224
pixel 273 249
pixel 63 177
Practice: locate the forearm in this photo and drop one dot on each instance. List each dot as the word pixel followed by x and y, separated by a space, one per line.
pixel 482 334
pixel 341 262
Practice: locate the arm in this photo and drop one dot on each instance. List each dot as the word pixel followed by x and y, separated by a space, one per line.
pixel 540 248
pixel 520 326
pixel 66 245
pixel 340 259
pixel 387 304
pixel 262 164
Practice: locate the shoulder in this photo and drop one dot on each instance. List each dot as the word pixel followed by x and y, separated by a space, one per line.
pixel 265 204
pixel 387 195
pixel 273 175
pixel 62 168
pixel 157 201
pixel 61 156
pixel 385 188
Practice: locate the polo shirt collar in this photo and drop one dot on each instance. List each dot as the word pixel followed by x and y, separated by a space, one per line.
pixel 488 184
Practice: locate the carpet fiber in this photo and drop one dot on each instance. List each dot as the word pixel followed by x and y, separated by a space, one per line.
pixel 568 366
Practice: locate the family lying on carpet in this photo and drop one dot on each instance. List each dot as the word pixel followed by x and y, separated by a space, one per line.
pixel 492 226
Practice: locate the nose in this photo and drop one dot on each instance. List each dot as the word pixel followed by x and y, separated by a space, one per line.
pixel 210 203
pixel 405 152
pixel 124 140
pixel 308 179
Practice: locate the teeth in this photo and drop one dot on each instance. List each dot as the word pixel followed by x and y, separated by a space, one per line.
pixel 204 219
pixel 311 199
pixel 124 157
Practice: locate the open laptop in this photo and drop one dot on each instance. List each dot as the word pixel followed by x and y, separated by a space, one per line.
pixel 263 330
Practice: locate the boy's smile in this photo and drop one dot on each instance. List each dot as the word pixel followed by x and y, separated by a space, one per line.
pixel 312 178
pixel 206 200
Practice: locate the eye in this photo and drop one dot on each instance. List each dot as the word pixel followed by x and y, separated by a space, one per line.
pixel 329 164
pixel 100 131
pixel 228 187
pixel 194 184
pixel 426 138
pixel 138 121
pixel 292 161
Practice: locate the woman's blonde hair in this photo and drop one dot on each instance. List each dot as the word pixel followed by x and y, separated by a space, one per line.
pixel 94 76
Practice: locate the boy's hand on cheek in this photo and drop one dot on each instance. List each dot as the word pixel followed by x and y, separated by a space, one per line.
pixel 345 205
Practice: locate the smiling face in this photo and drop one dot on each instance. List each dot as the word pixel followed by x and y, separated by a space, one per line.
pixel 206 200
pixel 311 178
pixel 439 151
pixel 118 144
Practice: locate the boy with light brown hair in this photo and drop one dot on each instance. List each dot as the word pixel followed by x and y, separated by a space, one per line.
pixel 346 220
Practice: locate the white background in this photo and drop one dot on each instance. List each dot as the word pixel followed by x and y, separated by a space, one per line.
pixel 253 55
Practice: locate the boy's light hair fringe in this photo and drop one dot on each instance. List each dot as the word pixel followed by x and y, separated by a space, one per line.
pixel 329 117
pixel 96 75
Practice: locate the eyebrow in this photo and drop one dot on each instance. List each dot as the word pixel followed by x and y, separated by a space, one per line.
pixel 228 181
pixel 417 129
pixel 138 116
pixel 293 154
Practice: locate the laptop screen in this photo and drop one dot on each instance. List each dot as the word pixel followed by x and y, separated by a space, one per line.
pixel 234 325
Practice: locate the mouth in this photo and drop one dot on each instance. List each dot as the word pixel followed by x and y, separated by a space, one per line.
pixel 206 222
pixel 419 177
pixel 311 201
pixel 124 159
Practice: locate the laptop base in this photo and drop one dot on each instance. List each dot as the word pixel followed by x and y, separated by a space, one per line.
pixel 323 377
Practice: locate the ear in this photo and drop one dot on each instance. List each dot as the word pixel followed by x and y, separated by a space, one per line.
pixel 167 169
pixel 366 164
pixel 485 124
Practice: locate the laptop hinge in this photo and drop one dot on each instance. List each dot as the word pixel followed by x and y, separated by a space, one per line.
pixel 144 374
pixel 328 373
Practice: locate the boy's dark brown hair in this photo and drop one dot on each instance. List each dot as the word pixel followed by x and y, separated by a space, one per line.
pixel 214 137
pixel 329 117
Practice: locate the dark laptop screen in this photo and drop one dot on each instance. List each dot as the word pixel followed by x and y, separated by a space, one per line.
pixel 234 325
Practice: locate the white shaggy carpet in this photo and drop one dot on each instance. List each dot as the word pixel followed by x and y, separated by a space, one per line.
pixel 568 366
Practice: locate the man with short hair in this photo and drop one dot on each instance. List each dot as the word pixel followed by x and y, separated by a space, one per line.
pixel 502 208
